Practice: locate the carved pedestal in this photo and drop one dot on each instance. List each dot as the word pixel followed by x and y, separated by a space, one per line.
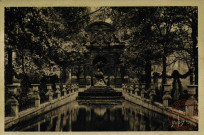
pixel 167 96
pixel 137 89
pixel 191 104
pixel 64 90
pixel 36 95
pixel 152 93
pixel 143 91
pixel 58 91
pixel 50 92
pixel 12 102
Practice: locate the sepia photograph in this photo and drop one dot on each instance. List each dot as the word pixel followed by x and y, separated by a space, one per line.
pixel 103 68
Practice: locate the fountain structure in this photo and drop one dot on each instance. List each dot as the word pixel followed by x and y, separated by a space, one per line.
pixel 100 93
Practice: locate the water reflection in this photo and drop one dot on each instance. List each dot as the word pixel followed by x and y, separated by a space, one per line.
pixel 74 117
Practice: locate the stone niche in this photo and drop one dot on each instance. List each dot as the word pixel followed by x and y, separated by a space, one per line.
pixel 104 50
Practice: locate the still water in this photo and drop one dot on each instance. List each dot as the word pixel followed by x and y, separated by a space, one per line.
pixel 124 116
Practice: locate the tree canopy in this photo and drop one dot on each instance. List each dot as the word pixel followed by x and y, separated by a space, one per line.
pixel 153 33
pixel 44 32
pixel 56 35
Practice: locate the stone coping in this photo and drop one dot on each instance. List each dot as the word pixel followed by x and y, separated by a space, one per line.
pixel 9 121
pixel 158 107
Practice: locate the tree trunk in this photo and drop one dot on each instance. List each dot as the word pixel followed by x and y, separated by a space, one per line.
pixel 195 51
pixel 9 68
pixel 164 70
pixel 22 61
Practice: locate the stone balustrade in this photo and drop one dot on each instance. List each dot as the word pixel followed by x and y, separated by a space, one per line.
pixel 34 94
pixel 12 102
pixel 190 104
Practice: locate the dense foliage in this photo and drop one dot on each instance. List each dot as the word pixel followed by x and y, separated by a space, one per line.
pixel 56 36
pixel 154 33
pixel 47 35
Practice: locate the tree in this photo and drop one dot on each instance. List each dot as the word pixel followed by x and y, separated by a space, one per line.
pixel 42 31
pixel 189 17
pixel 141 49
pixel 154 34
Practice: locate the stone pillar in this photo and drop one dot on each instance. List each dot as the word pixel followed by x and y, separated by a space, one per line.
pixel 167 96
pixel 137 121
pixel 76 87
pixel 152 93
pixel 69 89
pixel 14 106
pixel 128 88
pixel 64 89
pixel 12 101
pixel 50 92
pixel 39 123
pixel 72 87
pixel 58 91
pixel 50 124
pixel 57 127
pixel 50 97
pixel 64 121
pixel 131 89
pixel 165 124
pixel 137 89
pixel 36 94
pixel 70 121
pixel 150 121
pixel 142 123
pixel 13 88
pixel 88 115
pixel 143 91
pixel 191 104
pixel 133 86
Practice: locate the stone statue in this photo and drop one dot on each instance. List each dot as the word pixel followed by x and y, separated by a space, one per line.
pixel 100 77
